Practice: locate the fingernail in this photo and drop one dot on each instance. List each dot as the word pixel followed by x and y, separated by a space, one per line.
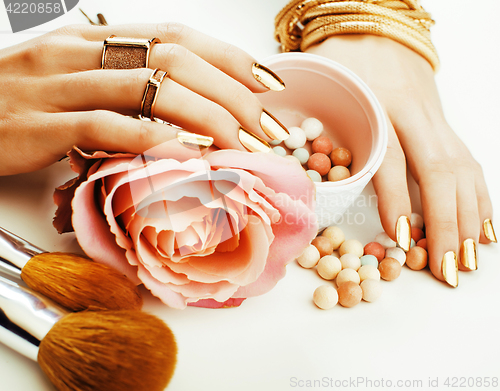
pixel 194 141
pixel 267 77
pixel 403 233
pixel 468 254
pixel 252 142
pixel 272 127
pixel 449 267
pixel 489 232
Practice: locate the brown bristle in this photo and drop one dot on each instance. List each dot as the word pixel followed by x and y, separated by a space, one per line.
pixel 109 350
pixel 78 283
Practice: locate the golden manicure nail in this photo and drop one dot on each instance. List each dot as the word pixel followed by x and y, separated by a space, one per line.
pixel 403 233
pixel 449 267
pixel 272 127
pixel 468 254
pixel 489 232
pixel 267 77
pixel 194 141
pixel 252 142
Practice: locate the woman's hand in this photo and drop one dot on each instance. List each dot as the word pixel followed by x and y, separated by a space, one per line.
pixel 54 94
pixel 453 192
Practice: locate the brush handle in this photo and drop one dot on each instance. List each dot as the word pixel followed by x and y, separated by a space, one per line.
pixel 25 317
pixel 15 252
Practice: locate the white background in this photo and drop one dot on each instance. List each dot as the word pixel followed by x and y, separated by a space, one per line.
pixel 420 329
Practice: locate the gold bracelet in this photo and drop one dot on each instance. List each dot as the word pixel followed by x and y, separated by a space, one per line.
pixel 302 23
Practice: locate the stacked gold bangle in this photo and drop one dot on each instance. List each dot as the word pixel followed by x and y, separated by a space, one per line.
pixel 303 23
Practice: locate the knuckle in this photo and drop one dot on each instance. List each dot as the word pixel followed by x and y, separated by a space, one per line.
pixel 230 52
pixel 171 32
pixel 176 56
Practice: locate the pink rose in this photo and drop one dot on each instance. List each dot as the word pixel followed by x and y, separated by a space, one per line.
pixel 208 231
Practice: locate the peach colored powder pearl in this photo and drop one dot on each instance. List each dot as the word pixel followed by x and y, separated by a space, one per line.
pixel 336 236
pixel 338 173
pixel 325 297
pixel 422 243
pixel 375 249
pixel 350 261
pixel 389 269
pixel 309 257
pixel 351 246
pixel 372 290
pixel 322 145
pixel 368 272
pixel 350 294
pixel 329 267
pixel 417 234
pixel 347 275
pixel 416 258
pixel 341 157
pixel 319 162
pixel 323 244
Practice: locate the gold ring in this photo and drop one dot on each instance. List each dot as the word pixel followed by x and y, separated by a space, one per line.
pixel 150 94
pixel 126 53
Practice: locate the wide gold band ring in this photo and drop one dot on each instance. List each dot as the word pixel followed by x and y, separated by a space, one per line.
pixel 150 94
pixel 126 53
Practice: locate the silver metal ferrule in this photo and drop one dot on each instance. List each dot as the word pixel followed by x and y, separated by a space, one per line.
pixel 15 252
pixel 25 317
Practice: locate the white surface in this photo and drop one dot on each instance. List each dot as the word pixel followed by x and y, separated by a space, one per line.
pixel 418 330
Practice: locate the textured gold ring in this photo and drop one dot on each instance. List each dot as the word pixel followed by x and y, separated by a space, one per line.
pixel 150 94
pixel 126 53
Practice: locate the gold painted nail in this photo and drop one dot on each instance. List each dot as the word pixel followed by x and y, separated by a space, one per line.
pixel 449 267
pixel 194 141
pixel 272 127
pixel 489 232
pixel 267 77
pixel 403 233
pixel 252 142
pixel 468 254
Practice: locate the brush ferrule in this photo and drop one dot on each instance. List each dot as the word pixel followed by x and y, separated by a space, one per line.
pixel 15 252
pixel 25 317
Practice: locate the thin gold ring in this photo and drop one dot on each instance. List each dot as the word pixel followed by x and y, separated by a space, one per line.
pixel 126 53
pixel 150 94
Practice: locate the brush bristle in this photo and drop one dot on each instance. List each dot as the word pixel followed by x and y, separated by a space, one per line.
pixel 109 350
pixel 78 283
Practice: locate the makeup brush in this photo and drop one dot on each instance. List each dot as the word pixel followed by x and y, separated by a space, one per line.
pixel 91 350
pixel 70 280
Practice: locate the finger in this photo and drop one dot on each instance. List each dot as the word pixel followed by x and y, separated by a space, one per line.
pixel 230 59
pixel 468 219
pixel 108 131
pixel 485 209
pixel 122 91
pixel 392 190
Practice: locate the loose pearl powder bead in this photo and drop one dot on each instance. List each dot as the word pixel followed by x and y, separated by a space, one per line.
pixel 375 249
pixel 325 297
pixel 368 271
pixel 351 246
pixel 350 261
pixel 341 157
pixel 338 173
pixel 302 154
pixel 309 258
pixel 422 243
pixel 416 234
pixel 323 244
pixel 347 275
pixel 385 240
pixel 372 290
pixel 275 142
pixel 416 258
pixel 319 162
pixel 350 294
pixel 280 151
pixel 314 175
pixel 389 269
pixel 322 145
pixel 336 235
pixel 369 260
pixel 312 127
pixel 297 138
pixel 396 253
pixel 328 267
pixel 416 221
